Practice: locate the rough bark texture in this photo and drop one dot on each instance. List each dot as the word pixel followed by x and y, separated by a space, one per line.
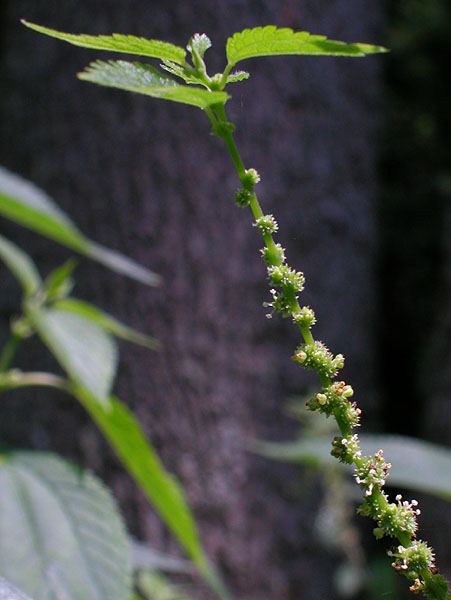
pixel 144 176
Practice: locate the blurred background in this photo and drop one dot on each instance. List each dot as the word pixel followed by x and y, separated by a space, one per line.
pixel 355 164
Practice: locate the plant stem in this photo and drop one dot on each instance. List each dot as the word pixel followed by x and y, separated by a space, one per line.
pixel 434 586
pixel 9 351
pixel 257 211
pixel 16 379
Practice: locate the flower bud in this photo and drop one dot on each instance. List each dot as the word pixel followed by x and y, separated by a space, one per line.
pixel 273 256
pixel 267 224
pixel 250 178
pixel 243 197
pixel 305 318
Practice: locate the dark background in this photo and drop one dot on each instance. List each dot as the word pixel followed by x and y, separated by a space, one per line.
pixel 354 159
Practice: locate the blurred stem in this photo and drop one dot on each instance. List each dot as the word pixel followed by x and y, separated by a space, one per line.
pixel 9 351
pixel 16 379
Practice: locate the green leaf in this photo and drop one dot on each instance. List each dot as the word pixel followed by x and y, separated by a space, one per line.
pixel 200 43
pixel 146 557
pixel 106 322
pixel 237 76
pixel 156 586
pixel 10 592
pixel 416 464
pixel 20 265
pixel 272 41
pixel 144 79
pixel 129 44
pixel 85 351
pixel 59 284
pixel 191 78
pixel 122 430
pixel 126 436
pixel 61 535
pixel 308 450
pixel 24 203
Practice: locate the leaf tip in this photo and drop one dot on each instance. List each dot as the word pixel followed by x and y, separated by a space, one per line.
pixel 29 24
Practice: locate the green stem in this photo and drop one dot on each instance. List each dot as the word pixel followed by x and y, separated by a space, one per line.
pixel 225 74
pixel 433 587
pixel 225 132
pixel 9 351
pixel 257 211
pixel 227 136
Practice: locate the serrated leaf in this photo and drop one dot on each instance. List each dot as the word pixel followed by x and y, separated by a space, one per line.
pixel 174 69
pixel 122 430
pixel 272 41
pixel 129 44
pixel 199 43
pixel 20 265
pixel 61 535
pixel 106 322
pixel 144 79
pixel 26 204
pixel 416 464
pixel 85 351
pixel 237 76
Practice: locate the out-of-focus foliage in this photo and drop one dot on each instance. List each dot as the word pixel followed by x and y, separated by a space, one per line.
pixel 61 533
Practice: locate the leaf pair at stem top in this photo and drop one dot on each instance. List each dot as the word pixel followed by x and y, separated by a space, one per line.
pixel 208 90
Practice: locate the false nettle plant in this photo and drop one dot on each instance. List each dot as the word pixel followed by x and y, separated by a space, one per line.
pixel 49 311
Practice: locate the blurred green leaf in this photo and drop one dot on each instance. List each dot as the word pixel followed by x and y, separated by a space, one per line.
pixel 156 586
pixel 106 322
pixel 144 79
pixel 146 557
pixel 61 535
pixel 85 351
pixel 117 42
pixel 21 266
pixel 313 451
pixel 126 436
pixel 10 592
pixel 58 283
pixel 416 464
pixel 272 41
pixel 122 430
pixel 24 203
